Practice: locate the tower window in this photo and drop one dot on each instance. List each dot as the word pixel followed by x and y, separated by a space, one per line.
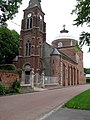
pixel 53 72
pixel 28 48
pixel 41 23
pixel 29 21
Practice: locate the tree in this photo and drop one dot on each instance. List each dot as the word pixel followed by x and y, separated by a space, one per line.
pixel 8 9
pixel 82 10
pixel 84 39
pixel 9 43
pixel 87 70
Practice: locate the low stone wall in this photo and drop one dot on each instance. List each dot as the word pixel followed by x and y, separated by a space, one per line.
pixel 8 77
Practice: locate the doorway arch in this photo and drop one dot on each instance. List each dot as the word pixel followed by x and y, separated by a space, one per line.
pixel 27 69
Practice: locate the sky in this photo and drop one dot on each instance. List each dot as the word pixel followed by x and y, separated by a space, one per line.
pixel 57 13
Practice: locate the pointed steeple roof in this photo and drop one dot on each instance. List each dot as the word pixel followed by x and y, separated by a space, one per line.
pixel 55 52
pixel 33 3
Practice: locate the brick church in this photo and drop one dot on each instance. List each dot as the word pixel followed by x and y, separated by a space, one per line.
pixel 61 59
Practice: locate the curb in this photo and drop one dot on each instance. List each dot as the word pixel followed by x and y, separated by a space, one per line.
pixel 50 113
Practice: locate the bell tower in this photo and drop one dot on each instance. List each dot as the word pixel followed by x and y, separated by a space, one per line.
pixel 32 36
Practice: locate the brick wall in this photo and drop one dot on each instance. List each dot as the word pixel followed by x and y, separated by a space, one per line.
pixel 82 78
pixel 8 78
pixel 65 42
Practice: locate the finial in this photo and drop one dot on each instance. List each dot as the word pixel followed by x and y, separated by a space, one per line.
pixel 64 30
pixel 64 27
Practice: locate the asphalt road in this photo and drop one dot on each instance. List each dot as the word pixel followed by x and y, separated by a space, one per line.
pixel 32 106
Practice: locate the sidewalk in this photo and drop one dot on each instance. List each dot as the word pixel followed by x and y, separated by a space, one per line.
pixel 67 114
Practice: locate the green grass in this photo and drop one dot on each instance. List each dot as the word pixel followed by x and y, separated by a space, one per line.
pixel 81 101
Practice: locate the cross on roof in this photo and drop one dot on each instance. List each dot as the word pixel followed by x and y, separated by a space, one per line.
pixel 64 27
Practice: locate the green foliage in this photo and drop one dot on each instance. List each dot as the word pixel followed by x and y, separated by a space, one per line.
pixel 2 89
pixel 8 67
pixel 84 39
pixel 8 9
pixel 9 43
pixel 88 80
pixel 16 90
pixel 82 10
pixel 16 86
pixel 87 70
pixel 81 101
pixel 6 90
pixel 77 48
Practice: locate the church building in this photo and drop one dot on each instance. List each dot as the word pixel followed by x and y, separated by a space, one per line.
pixel 62 59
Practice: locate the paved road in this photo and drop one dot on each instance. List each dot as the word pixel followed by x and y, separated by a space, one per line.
pixel 34 105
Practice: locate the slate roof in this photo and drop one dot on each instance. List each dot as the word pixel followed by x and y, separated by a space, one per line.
pixel 33 3
pixel 55 52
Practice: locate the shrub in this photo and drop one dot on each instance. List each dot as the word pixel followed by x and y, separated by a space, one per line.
pixel 88 80
pixel 16 90
pixel 7 90
pixel 8 67
pixel 16 86
pixel 2 89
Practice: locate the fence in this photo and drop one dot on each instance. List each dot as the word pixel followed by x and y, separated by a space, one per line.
pixel 37 80
pixel 50 80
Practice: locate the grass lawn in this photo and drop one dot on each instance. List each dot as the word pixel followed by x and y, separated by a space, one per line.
pixel 81 101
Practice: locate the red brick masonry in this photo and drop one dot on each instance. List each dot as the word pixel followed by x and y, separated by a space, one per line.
pixel 8 77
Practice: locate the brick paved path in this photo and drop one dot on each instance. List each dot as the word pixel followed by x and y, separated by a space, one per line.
pixel 33 105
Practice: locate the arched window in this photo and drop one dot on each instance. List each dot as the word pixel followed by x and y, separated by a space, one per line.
pixel 28 48
pixel 71 43
pixel 29 21
pixel 60 44
pixel 41 23
pixel 40 48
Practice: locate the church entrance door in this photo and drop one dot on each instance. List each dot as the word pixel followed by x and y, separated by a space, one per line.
pixel 27 73
pixel 27 77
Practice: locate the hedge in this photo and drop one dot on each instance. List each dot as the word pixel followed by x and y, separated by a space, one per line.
pixel 9 67
pixel 88 80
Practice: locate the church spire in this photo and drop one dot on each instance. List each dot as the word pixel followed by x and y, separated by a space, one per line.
pixel 33 3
